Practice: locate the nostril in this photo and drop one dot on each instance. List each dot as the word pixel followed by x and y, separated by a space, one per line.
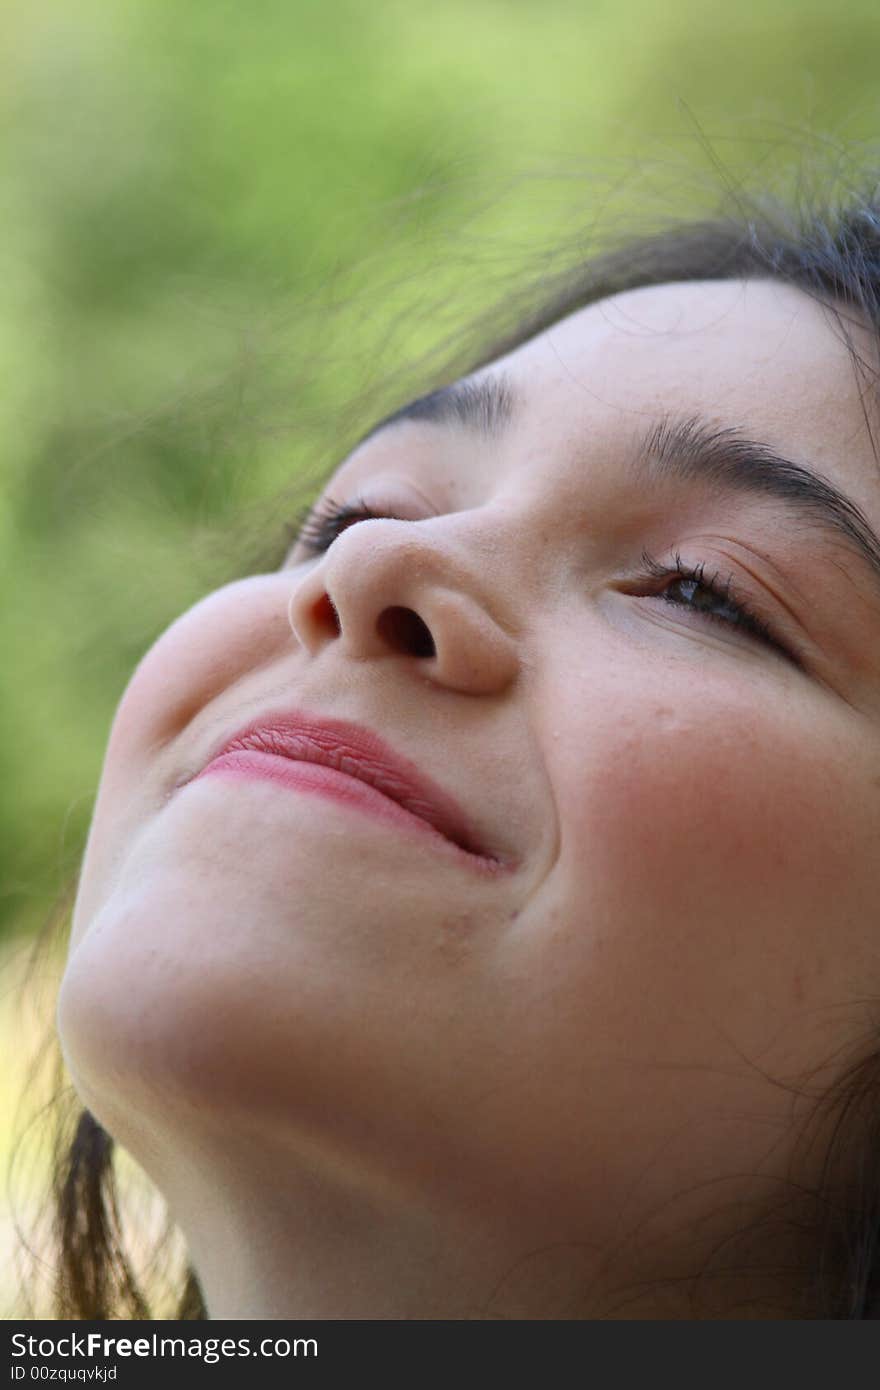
pixel 404 630
pixel 329 611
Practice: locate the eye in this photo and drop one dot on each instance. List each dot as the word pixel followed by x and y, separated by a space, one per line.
pixel 317 527
pixel 713 599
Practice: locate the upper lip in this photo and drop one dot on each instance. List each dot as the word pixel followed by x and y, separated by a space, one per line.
pixel 360 753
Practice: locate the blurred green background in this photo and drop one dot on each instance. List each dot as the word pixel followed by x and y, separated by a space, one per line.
pixel 220 223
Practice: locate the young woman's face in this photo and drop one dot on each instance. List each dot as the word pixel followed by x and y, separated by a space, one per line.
pixel 685 813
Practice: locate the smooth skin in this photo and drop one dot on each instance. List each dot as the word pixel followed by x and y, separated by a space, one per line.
pixel 372 1083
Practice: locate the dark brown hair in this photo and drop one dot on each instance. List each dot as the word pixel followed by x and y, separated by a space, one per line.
pixel 831 251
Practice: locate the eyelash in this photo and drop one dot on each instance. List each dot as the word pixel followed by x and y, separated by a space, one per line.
pixel 318 526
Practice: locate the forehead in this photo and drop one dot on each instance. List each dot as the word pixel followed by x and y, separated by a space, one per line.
pixel 757 353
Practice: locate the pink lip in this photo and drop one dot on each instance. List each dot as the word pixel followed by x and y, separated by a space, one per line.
pixel 355 753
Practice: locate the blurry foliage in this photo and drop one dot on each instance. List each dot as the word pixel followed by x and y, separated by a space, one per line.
pixel 223 227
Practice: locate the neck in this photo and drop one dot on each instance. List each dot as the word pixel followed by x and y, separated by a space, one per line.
pixel 302 1250
pixel 295 1246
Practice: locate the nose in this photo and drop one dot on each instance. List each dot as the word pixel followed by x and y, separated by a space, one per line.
pixel 385 590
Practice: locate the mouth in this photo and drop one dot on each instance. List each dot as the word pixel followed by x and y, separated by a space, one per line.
pixel 361 754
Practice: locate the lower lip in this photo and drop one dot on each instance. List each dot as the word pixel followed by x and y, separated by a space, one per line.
pixel 339 787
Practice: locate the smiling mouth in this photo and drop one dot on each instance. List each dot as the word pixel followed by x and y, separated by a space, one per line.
pixel 353 765
pixel 338 786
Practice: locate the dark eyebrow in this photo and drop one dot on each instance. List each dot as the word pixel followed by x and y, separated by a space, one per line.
pixel 485 407
pixel 693 450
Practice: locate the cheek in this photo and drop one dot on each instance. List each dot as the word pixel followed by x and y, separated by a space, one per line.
pixel 201 655
pixel 717 846
pixel 221 637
